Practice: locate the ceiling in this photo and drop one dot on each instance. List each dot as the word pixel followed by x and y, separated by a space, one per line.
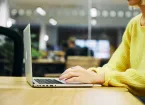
pixel 67 12
pixel 57 3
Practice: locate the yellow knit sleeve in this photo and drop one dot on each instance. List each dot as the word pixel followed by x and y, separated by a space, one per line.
pixel 132 79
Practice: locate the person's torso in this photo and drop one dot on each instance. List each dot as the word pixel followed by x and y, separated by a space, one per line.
pixel 137 45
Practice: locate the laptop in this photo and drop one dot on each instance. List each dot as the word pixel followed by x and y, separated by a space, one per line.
pixel 41 81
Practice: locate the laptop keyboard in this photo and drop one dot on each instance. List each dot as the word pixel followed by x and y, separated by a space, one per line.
pixel 48 81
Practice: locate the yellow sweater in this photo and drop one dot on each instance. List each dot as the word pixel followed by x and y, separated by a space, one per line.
pixel 126 67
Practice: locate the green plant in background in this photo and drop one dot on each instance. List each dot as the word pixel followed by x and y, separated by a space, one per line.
pixel 35 54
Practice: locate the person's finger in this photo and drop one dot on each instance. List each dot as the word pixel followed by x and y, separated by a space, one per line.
pixel 73 79
pixel 79 67
pixel 66 71
pixel 68 75
pixel 72 69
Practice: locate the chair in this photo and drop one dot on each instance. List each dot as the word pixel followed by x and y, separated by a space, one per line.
pixel 18 50
pixel 84 61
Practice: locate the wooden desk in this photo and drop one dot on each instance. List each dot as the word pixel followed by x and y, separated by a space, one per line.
pixel 15 91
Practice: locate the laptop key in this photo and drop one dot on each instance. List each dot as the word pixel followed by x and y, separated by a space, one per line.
pixel 48 81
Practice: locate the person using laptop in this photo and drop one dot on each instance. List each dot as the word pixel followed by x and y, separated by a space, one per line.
pixel 126 67
pixel 43 82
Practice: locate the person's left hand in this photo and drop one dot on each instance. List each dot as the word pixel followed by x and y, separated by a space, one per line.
pixel 79 74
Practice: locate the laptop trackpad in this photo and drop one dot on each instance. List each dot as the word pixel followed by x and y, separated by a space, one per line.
pixel 63 81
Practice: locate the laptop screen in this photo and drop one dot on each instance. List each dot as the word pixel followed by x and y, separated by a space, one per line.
pixel 27 54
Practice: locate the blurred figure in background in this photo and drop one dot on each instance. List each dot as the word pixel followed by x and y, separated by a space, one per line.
pixel 71 42
pixel 72 48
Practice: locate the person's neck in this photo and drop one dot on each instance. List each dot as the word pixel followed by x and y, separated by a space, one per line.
pixel 142 9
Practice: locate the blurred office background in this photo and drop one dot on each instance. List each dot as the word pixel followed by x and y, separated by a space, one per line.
pixel 65 33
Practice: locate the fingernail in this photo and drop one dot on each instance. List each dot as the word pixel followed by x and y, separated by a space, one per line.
pixel 60 78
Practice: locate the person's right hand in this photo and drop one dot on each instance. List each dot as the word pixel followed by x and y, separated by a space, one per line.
pixel 79 74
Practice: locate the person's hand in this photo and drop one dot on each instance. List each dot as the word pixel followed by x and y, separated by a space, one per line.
pixel 79 74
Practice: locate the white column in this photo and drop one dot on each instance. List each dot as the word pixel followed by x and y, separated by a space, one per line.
pixel 42 42
pixel 4 12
